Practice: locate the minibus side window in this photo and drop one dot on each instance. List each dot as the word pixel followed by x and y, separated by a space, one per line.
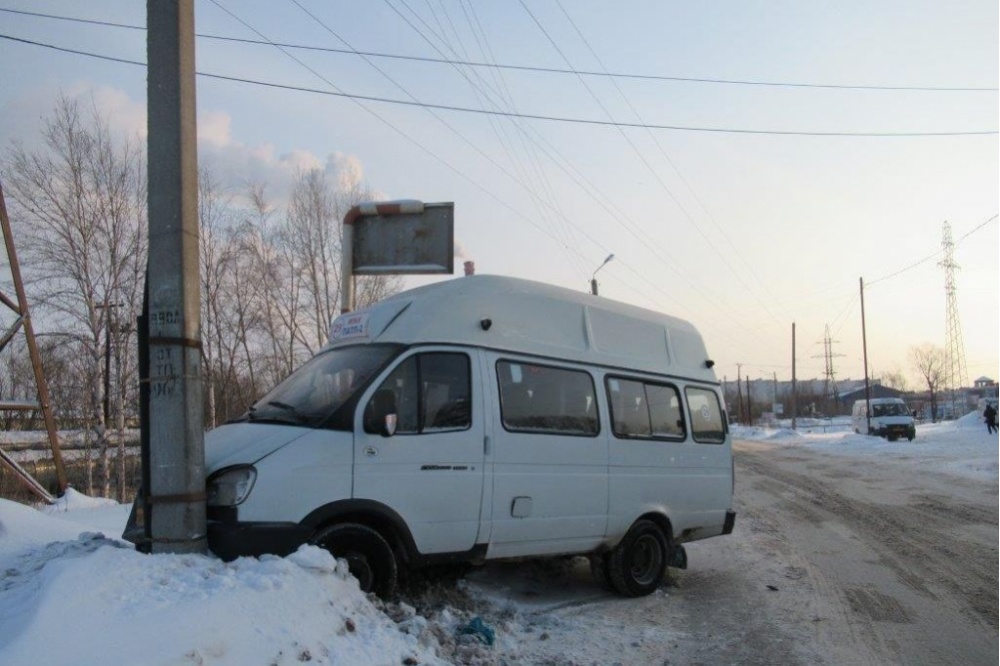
pixel 433 393
pixel 644 410
pixel 629 414
pixel 543 399
pixel 706 415
pixel 665 411
pixel 446 392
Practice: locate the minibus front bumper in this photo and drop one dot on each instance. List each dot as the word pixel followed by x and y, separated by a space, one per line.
pixel 897 431
pixel 228 537
pixel 230 540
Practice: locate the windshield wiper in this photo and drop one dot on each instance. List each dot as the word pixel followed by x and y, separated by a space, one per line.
pixel 254 414
pixel 299 418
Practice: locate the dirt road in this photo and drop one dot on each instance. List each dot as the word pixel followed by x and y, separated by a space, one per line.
pixel 890 563
pixel 831 562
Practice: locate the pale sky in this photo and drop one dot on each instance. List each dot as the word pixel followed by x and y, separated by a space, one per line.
pixel 740 233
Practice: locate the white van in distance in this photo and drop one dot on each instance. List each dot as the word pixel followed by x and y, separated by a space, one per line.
pixel 481 418
pixel 890 418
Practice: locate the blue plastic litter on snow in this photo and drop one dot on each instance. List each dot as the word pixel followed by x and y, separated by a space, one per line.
pixel 476 627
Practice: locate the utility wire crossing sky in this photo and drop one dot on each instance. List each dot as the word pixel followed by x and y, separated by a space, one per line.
pixel 744 166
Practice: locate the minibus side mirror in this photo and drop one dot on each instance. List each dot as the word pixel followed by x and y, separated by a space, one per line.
pixel 381 414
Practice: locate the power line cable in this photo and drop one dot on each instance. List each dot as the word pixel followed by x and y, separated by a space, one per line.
pixel 646 238
pixel 529 148
pixel 446 164
pixel 489 193
pixel 589 190
pixel 565 240
pixel 406 136
pixel 527 116
pixel 532 68
pixel 931 256
pixel 651 244
pixel 548 206
pixel 726 237
pixel 841 319
pixel 544 203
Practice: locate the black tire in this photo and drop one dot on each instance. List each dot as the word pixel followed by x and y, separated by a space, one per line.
pixel 636 566
pixel 599 570
pixel 369 556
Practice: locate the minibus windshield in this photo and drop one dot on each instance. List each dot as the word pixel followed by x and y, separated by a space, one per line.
pixel 890 409
pixel 313 392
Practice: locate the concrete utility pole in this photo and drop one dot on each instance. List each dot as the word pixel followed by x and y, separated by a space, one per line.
pixel 749 404
pixel 864 348
pixel 176 492
pixel 795 392
pixel 739 390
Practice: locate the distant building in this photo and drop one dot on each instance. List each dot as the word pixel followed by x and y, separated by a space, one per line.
pixel 875 391
pixel 985 383
pixel 820 397
pixel 984 387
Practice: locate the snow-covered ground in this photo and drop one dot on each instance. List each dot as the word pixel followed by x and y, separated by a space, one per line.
pixel 961 447
pixel 72 593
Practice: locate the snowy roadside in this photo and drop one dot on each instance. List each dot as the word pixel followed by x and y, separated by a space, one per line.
pixel 70 595
pixel 960 448
pixel 83 598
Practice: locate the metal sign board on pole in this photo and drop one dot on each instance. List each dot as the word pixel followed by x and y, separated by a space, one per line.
pixel 406 243
pixel 395 237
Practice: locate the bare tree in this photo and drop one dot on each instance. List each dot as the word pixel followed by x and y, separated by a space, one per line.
pixel 215 256
pixel 80 217
pixel 895 379
pixel 313 249
pixel 930 362
pixel 270 278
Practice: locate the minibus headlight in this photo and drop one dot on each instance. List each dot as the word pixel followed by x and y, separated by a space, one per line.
pixel 229 487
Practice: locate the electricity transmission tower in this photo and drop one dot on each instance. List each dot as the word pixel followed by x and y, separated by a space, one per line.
pixel 830 378
pixel 955 369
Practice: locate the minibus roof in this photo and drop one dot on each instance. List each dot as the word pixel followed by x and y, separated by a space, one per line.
pixel 523 316
pixel 881 401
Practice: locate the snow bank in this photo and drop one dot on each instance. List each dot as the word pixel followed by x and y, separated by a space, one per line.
pixel 960 448
pixel 72 598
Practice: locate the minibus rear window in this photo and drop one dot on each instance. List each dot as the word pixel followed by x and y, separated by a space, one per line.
pixel 706 415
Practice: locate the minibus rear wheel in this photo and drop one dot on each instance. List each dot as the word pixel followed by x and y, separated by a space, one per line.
pixel 638 563
pixel 369 556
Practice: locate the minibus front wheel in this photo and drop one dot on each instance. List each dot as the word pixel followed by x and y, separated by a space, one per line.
pixel 369 556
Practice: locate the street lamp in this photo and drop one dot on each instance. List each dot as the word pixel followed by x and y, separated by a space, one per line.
pixel 593 278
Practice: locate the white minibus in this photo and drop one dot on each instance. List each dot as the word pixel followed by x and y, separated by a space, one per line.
pixel 480 418
pixel 890 418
